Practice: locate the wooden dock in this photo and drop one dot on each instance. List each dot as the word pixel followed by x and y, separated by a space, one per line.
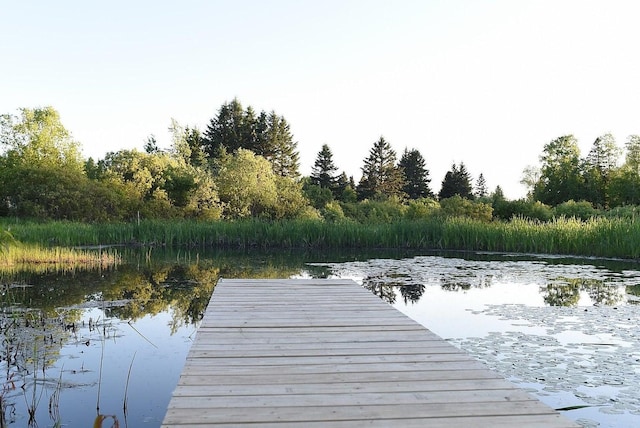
pixel 328 353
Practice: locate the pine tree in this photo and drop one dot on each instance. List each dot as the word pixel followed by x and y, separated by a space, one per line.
pixel 323 171
pixel 416 175
pixel 457 181
pixel 381 178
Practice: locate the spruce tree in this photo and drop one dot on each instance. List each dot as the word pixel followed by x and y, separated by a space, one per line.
pixel 416 175
pixel 323 171
pixel 457 181
pixel 279 147
pixel 228 131
pixel 381 178
pixel 267 135
pixel 481 187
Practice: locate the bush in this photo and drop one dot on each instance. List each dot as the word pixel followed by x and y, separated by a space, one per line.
pixel 506 210
pixel 457 206
pixel 375 211
pixel 582 210
pixel 421 208
pixel 333 212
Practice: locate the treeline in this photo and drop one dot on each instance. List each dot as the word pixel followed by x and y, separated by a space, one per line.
pixel 246 165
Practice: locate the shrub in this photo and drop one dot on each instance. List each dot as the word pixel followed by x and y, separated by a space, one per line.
pixel 457 206
pixel 582 210
pixel 421 208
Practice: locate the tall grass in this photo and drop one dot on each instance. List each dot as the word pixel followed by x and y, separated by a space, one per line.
pixel 603 237
pixel 16 256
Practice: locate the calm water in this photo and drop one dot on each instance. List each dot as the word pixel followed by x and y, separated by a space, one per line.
pixel 77 346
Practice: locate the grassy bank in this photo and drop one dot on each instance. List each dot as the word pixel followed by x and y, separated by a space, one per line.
pixel 16 257
pixel 602 237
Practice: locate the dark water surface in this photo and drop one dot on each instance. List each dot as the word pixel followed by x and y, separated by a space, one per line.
pixel 76 346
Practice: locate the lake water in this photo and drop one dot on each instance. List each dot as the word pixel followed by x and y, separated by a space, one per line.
pixel 76 346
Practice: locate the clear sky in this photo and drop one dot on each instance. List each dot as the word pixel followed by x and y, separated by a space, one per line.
pixel 487 83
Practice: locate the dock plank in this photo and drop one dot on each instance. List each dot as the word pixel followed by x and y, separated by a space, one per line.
pixel 329 353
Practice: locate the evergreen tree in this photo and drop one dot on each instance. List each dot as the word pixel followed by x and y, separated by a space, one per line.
pixel 597 168
pixel 481 187
pixel 228 131
pixel 381 178
pixel 323 171
pixel 457 181
pixel 151 144
pixel 279 147
pixel 267 135
pixel 416 175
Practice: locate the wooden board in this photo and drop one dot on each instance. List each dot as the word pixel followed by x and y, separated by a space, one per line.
pixel 329 353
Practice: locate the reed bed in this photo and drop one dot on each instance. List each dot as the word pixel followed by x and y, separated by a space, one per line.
pixel 601 237
pixel 17 256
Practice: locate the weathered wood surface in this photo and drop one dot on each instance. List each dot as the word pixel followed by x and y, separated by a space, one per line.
pixel 329 353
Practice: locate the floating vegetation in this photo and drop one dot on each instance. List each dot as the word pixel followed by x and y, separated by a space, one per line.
pixel 564 330
pixel 592 352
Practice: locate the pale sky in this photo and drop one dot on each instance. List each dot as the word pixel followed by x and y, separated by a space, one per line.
pixel 487 83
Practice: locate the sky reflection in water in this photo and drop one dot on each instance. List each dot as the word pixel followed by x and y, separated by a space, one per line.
pixel 565 332
pixel 498 308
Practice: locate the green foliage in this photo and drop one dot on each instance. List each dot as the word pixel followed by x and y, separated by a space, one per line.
pixel 38 137
pixel 381 178
pixel 290 200
pixel 560 178
pixel 279 148
pixel 41 173
pixel 604 237
pixel 318 196
pixel 323 173
pixel 422 208
pixel 348 194
pixel 506 210
pixel 457 206
pixel 416 175
pixel 629 212
pixel 598 167
pixel 481 190
pixel 267 135
pixel 457 181
pixel 186 144
pixel 582 210
pixel 375 211
pixel 160 185
pixel 333 213
pixel 247 185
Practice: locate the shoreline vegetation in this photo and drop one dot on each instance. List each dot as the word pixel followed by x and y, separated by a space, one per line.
pixel 595 237
pixel 17 256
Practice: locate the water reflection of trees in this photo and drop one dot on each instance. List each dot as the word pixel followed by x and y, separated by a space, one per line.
pixel 454 283
pixel 411 293
pixel 42 311
pixel 566 292
pixel 385 288
pixel 633 290
pixel 381 288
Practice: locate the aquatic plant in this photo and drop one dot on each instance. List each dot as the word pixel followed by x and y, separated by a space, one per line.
pixel 598 236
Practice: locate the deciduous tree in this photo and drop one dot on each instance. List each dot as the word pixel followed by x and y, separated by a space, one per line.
pixel 560 177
